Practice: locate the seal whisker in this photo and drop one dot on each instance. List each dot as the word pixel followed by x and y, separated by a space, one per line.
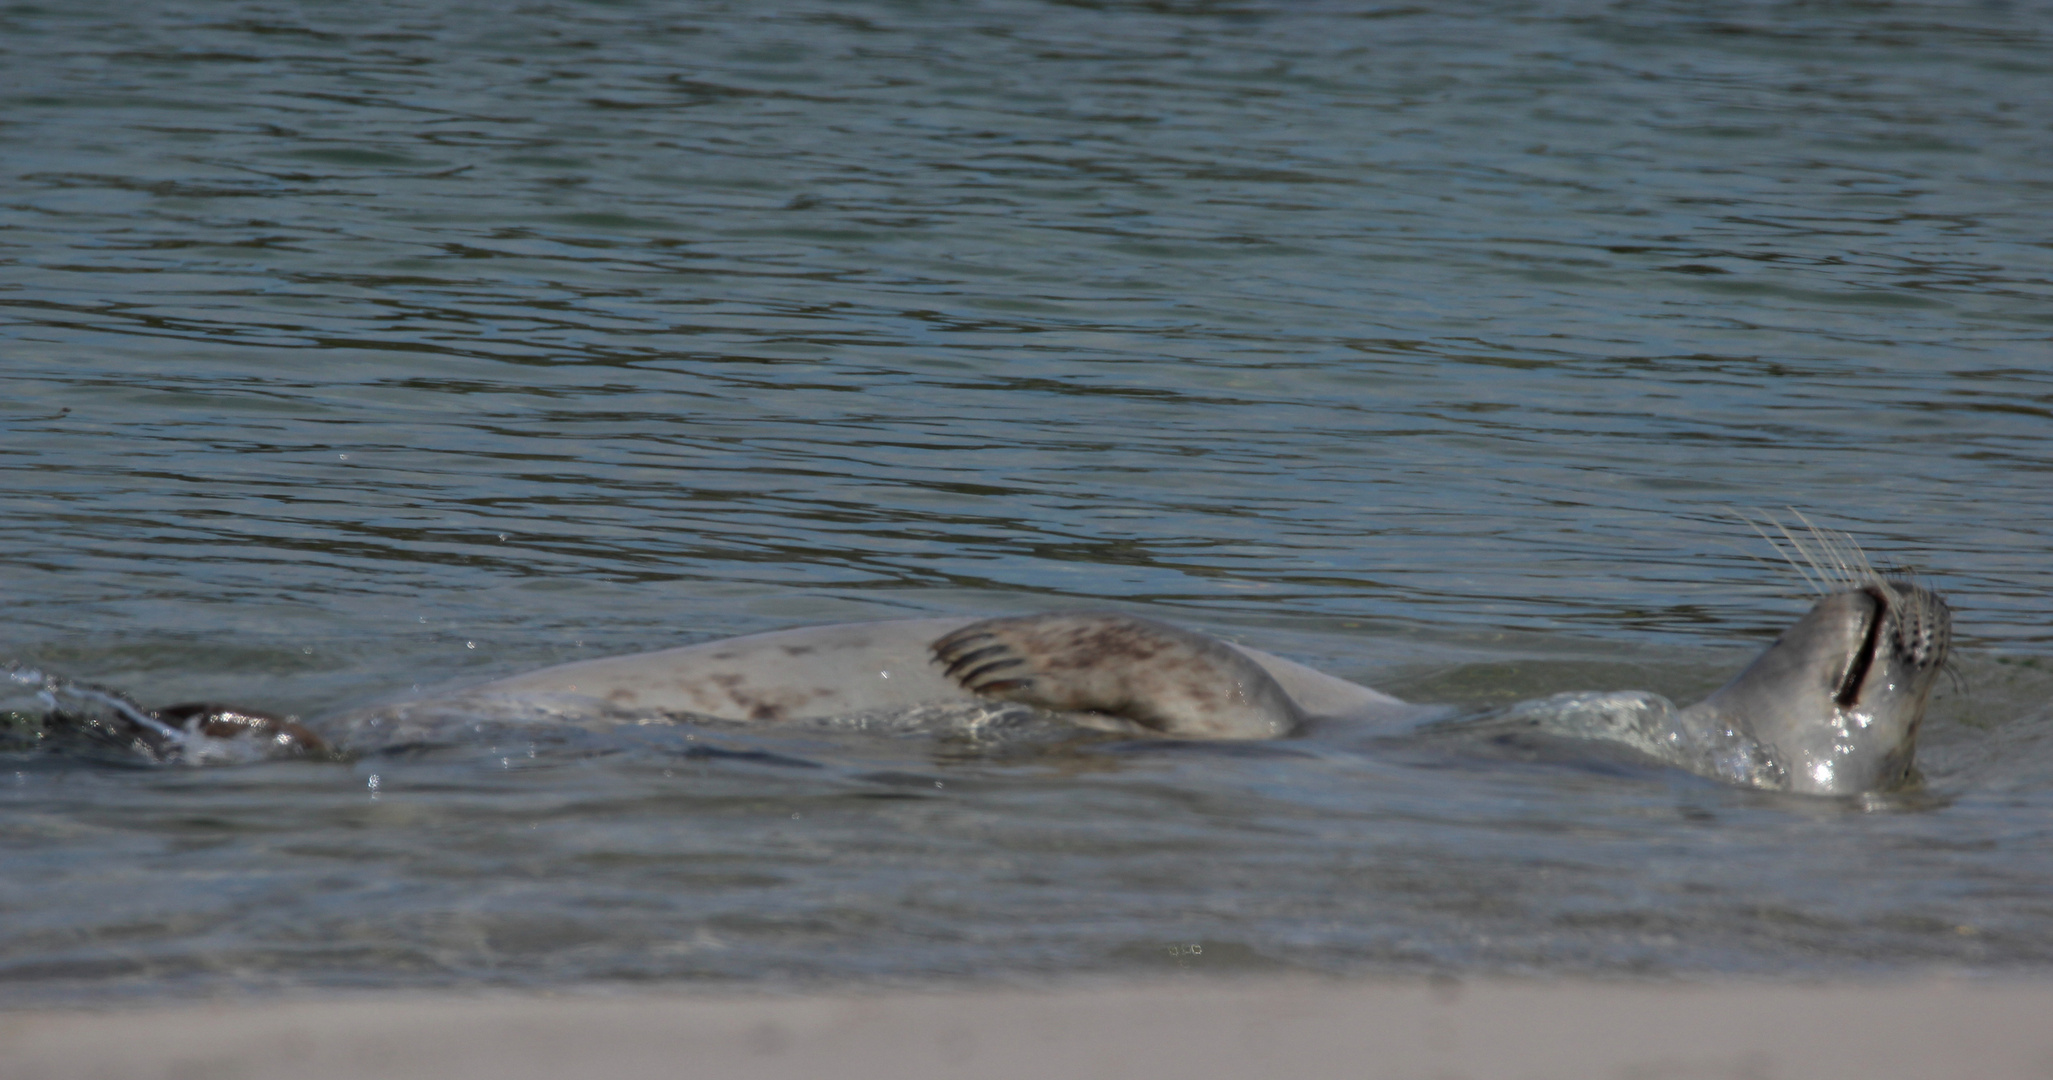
pixel 1799 557
pixel 1789 561
pixel 1827 560
pixel 1820 573
pixel 1953 676
pixel 1855 571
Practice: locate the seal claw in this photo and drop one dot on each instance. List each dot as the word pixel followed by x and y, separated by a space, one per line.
pixel 964 660
pixel 976 677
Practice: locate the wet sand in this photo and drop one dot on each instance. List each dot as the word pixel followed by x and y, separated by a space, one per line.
pixel 1184 1030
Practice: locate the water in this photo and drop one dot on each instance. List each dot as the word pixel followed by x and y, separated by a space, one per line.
pixel 349 348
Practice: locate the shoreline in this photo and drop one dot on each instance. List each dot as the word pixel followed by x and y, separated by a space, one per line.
pixel 1185 1029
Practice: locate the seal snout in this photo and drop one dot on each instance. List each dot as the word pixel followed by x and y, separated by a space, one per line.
pixel 1912 623
pixel 1924 627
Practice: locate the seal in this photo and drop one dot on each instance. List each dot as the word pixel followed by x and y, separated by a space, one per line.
pixel 1831 707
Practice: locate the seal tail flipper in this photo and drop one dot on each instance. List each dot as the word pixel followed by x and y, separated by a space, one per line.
pixel 1159 676
pixel 191 733
pixel 279 736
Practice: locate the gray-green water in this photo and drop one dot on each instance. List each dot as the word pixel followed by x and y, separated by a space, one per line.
pixel 348 348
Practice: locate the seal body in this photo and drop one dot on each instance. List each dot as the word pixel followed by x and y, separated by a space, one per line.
pixel 1100 670
pixel 1832 707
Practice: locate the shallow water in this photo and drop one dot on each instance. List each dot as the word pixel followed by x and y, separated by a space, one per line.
pixel 353 349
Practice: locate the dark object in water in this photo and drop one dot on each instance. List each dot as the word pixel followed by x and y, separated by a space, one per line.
pixel 192 731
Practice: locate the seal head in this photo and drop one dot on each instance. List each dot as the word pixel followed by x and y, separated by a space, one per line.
pixel 1835 703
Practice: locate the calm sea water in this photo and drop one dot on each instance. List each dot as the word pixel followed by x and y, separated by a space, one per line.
pixel 353 347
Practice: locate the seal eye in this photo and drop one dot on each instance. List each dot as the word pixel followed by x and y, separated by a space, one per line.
pixel 1864 657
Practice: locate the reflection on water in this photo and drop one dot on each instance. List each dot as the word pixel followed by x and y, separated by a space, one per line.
pixel 347 351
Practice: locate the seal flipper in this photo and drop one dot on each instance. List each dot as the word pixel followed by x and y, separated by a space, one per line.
pixel 1164 678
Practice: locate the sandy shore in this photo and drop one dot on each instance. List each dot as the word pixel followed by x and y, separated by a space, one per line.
pixel 1259 1029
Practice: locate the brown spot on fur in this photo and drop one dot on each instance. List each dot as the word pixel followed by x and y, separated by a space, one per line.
pixel 1090 646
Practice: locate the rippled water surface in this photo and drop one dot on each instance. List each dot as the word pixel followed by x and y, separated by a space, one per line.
pixel 349 348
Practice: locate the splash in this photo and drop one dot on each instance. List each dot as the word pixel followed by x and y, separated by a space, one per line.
pixel 110 720
pixel 1644 722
